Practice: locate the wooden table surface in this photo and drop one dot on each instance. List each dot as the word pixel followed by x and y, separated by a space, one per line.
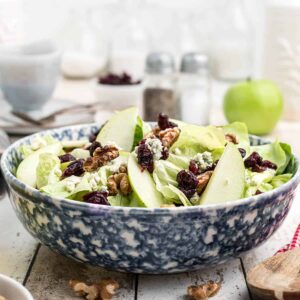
pixel 46 274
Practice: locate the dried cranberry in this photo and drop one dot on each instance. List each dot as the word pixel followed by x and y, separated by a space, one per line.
pixel 145 157
pixel 187 182
pixel 164 123
pixel 254 162
pixel 114 79
pixel 268 164
pixel 165 153
pixel 188 193
pixel 93 147
pixel 243 152
pixel 258 192
pixel 93 135
pixel 66 157
pixel 97 197
pixel 74 168
pixel 193 167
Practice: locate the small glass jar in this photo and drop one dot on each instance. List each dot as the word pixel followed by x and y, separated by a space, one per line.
pixel 193 89
pixel 159 86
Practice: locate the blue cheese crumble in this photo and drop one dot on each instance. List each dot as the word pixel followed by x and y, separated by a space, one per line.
pixel 204 160
pixel 156 148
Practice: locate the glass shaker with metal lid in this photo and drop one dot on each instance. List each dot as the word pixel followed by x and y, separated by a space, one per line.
pixel 193 89
pixel 159 86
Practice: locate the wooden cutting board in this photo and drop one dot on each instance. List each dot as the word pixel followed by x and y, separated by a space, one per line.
pixel 276 278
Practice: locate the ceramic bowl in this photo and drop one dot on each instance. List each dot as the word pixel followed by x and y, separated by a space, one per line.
pixel 28 74
pixel 13 290
pixel 143 240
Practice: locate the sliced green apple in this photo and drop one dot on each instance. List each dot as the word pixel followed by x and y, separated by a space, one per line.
pixel 121 129
pixel 26 171
pixel 228 179
pixel 143 184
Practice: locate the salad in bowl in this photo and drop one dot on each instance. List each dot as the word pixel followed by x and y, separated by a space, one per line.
pixel 169 164
pixel 161 197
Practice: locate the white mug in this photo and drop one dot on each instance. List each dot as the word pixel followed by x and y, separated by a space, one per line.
pixel 29 73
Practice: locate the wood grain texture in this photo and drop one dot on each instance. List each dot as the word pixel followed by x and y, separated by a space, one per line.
pixel 171 287
pixel 50 275
pixel 277 277
pixel 17 247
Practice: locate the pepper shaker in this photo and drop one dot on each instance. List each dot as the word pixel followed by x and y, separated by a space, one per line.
pixel 193 89
pixel 159 92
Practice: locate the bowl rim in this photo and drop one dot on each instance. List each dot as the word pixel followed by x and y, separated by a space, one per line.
pixel 82 205
pixel 13 284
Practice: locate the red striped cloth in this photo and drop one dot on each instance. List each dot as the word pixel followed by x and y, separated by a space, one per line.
pixel 294 244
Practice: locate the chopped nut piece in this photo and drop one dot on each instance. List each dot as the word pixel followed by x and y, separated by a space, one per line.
pixel 123 168
pixel 2 298
pixel 169 136
pixel 153 133
pixel 90 292
pixel 106 154
pixel 108 288
pixel 229 137
pixel 203 291
pixel 119 181
pixel 101 156
pixel 104 290
pixel 203 180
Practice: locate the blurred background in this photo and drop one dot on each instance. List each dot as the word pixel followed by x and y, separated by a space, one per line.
pixel 232 40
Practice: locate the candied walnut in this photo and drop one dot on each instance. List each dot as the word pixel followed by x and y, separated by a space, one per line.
pixel 203 180
pixel 104 290
pixel 101 156
pixel 106 154
pixel 203 291
pixel 229 137
pixel 119 182
pixel 154 133
pixel 169 136
pixel 123 168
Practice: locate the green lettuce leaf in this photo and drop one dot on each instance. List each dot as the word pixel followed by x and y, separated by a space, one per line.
pixel 195 139
pixel 240 130
pixel 119 200
pixel 139 131
pixel 48 170
pixel 37 143
pixel 68 187
pixel 280 179
pixel 276 152
pixel 258 181
pixel 164 176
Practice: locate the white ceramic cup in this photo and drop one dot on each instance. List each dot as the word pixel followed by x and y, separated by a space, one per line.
pixel 13 290
pixel 118 97
pixel 29 73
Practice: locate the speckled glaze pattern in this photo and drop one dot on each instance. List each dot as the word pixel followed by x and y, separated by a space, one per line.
pixel 140 240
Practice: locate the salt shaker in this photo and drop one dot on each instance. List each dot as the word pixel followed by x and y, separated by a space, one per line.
pixel 159 92
pixel 193 89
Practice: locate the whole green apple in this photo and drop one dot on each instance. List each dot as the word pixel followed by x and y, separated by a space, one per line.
pixel 258 103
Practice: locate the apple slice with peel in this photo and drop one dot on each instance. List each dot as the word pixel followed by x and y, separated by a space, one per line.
pixel 121 129
pixel 228 179
pixel 143 184
pixel 26 171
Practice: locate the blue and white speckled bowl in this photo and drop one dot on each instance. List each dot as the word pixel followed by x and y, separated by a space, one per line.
pixel 140 240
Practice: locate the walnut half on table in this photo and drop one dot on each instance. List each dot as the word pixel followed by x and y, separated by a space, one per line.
pixel 103 290
pixel 203 291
